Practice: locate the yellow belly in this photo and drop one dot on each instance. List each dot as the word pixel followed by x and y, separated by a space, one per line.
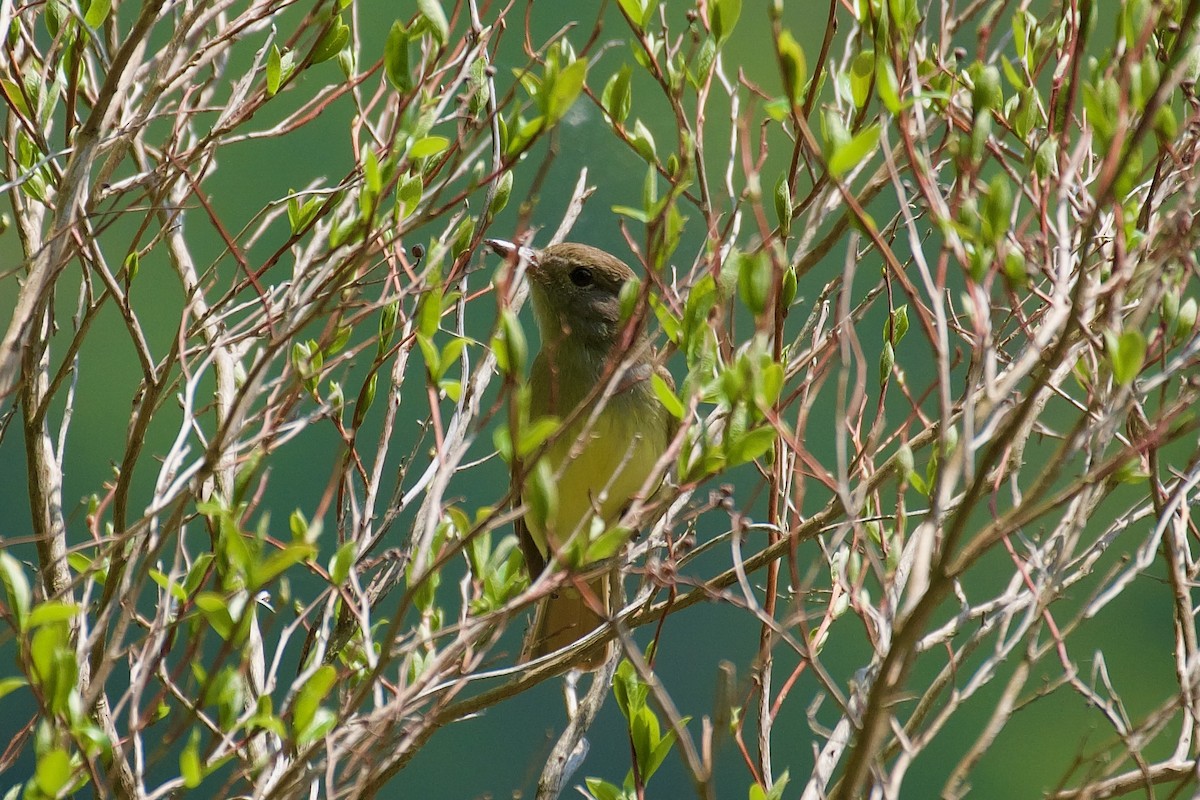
pixel 598 472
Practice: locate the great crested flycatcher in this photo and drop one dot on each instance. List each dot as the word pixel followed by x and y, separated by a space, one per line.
pixel 599 460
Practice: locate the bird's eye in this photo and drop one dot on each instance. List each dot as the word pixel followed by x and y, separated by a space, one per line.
pixel 582 277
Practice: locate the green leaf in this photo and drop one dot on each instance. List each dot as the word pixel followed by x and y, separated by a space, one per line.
pixel 628 297
pixel 565 91
pixel 428 146
pixel 887 360
pixel 197 572
pixel 1131 472
pixel 308 699
pixel 53 771
pixel 618 96
pixel 168 584
pixel 754 281
pixel 541 492
pixel 450 353
pixel 629 690
pixel 509 345
pixel 667 319
pixel 1127 353
pixel 432 11
pixel 768 384
pixel 644 730
pixel 643 141
pixel 535 434
pixel 524 134
pixel 341 336
pixel 16 588
pixel 607 544
pixel 278 562
pixel 16 98
pixel 650 192
pixel 97 12
pixel 997 208
pixel 332 42
pixel 408 195
pixel 56 13
pixel 479 90
pixel 274 71
pixel 787 288
pixel 343 559
pixel 638 11
pixel 504 184
pixel 633 213
pixel 603 790
pixel 371 174
pixel 862 72
pixel 301 215
pixel 10 685
pixel 659 753
pixel 887 84
pixel 429 313
pixel 896 325
pixel 779 786
pixel 703 64
pixel 322 723
pixel 396 58
pixel 666 395
pixel 1186 319
pixel 431 354
pixel 778 108
pixel 387 326
pixel 502 440
pixel 52 611
pixel 783 204
pixel 722 17
pixel 986 92
pixel 133 263
pixel 750 445
pixel 1015 271
pixel 43 647
pixel 216 612
pixel 793 65
pixel 190 768
pixel 847 156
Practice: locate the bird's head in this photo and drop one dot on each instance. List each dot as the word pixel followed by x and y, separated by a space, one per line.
pixel 576 291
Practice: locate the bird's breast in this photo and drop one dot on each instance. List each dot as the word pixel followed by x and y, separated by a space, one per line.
pixel 599 465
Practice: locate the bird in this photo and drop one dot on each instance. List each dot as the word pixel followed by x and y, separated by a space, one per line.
pixel 599 464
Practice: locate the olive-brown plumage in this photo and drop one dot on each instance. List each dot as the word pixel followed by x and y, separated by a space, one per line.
pixel 599 463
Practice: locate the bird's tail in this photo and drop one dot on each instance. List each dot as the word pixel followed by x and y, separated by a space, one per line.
pixel 565 617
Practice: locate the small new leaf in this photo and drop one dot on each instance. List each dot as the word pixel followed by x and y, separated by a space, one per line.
pixel 1127 353
pixel 862 71
pixel 428 147
pixel 666 395
pixel 97 12
pixel 432 11
pixel 783 204
pixel 847 156
pixel 617 96
pixel 332 42
pixel 396 59
pixel 565 90
pixel 274 71
pixel 722 17
pixel 794 67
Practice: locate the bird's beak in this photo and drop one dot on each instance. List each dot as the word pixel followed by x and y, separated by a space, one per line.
pixel 509 250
